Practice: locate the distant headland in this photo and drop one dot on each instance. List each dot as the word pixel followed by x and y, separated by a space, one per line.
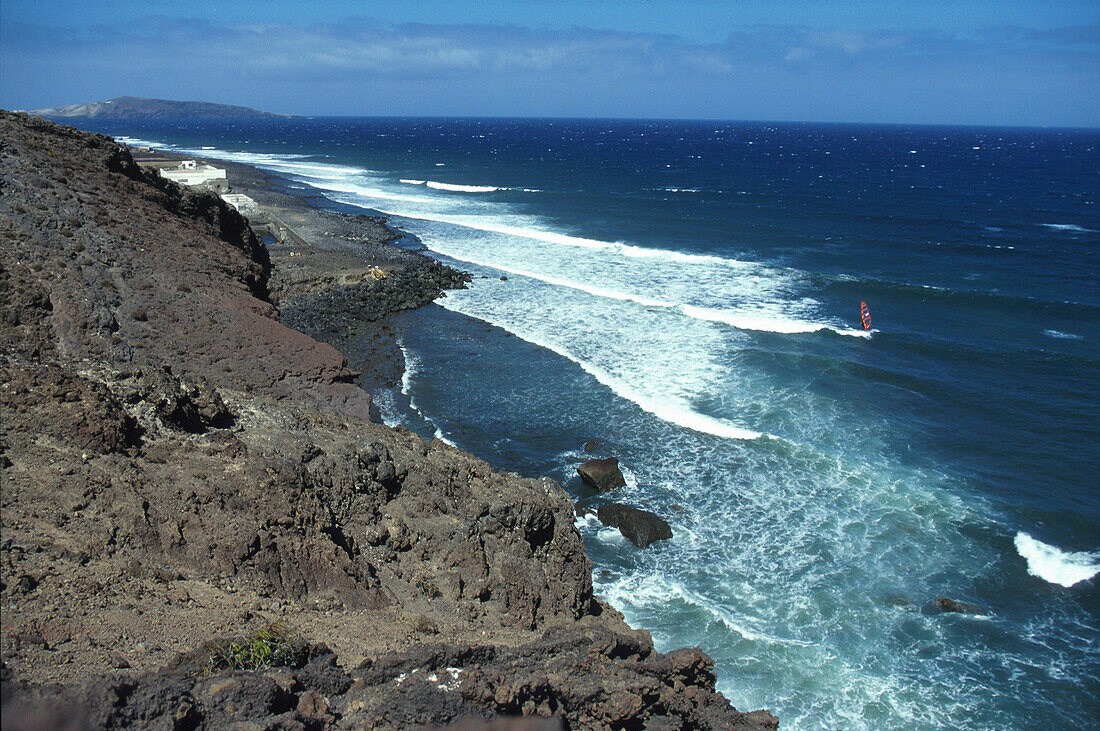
pixel 132 107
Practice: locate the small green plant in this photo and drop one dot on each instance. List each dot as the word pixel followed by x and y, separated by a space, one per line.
pixel 265 648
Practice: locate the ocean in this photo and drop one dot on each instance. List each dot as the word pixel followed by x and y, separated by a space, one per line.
pixel 688 294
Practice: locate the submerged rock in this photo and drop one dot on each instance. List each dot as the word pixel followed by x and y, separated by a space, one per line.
pixel 602 474
pixel 641 527
pixel 952 606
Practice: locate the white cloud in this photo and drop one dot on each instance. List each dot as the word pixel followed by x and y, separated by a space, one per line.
pixel 776 72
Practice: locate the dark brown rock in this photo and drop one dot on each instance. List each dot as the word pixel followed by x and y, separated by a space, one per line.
pixel 952 606
pixel 641 527
pixel 312 704
pixel 602 474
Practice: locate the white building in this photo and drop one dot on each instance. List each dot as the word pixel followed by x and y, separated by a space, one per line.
pixel 190 172
pixel 240 201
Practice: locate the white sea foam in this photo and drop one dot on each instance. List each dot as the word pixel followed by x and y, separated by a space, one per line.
pixel 412 365
pixel 1070 227
pixel 663 590
pixel 1054 565
pixel 462 188
pixel 767 323
pixel 490 220
pixel 411 362
pixel 629 477
pixel 506 225
pixel 443 438
pixel 411 181
pixel 1061 335
pixel 588 521
pixel 579 286
pixel 642 252
pixel 665 407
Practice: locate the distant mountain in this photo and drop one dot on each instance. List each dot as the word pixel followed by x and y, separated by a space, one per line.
pixel 132 107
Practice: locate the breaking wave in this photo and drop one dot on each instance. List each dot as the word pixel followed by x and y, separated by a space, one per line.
pixel 1055 565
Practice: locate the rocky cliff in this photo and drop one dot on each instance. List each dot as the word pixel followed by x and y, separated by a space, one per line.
pixel 181 469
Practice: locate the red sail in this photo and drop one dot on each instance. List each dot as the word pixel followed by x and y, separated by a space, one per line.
pixel 865 315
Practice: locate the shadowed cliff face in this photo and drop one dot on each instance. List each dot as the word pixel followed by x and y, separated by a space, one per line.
pixel 179 466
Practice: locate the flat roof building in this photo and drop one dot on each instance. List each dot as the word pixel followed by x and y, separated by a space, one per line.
pixel 190 172
pixel 240 201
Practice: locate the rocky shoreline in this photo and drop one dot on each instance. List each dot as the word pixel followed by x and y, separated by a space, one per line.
pixel 184 463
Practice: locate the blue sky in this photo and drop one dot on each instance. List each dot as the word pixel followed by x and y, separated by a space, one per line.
pixel 1015 62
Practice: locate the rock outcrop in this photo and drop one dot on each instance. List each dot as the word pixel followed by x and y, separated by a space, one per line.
pixel 640 527
pixel 180 465
pixel 602 474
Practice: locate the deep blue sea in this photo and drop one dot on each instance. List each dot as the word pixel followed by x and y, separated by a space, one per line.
pixel 688 294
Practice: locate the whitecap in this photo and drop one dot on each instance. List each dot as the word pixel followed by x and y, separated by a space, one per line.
pixel 461 188
pixel 1069 227
pixel 1055 565
pixel 767 323
pixel 1061 335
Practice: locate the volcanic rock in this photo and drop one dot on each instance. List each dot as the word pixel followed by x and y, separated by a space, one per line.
pixel 947 605
pixel 602 474
pixel 641 527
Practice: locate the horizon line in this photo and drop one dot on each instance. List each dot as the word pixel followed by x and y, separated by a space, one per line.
pixel 291 116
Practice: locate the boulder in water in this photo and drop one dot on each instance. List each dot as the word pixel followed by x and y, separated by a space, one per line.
pixel 602 474
pixel 641 527
pixel 952 606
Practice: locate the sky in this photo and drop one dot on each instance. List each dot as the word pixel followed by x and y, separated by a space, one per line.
pixel 995 62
